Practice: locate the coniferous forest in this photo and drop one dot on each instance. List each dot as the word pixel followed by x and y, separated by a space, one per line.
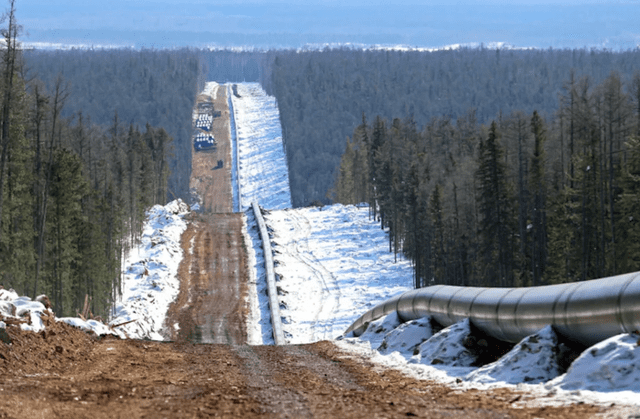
pixel 322 94
pixel 520 201
pixel 488 167
pixel 120 88
pixel 78 168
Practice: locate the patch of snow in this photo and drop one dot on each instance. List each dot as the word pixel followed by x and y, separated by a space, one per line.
pixel 95 326
pixel 150 282
pixel 377 330
pixel 446 347
pixel 533 361
pixel 332 264
pixel 407 338
pixel 609 366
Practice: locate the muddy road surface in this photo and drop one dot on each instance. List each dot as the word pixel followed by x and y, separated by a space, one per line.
pixel 209 179
pixel 66 373
pixel 212 304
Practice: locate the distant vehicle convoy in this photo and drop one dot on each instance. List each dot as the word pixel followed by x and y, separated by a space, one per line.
pixel 203 140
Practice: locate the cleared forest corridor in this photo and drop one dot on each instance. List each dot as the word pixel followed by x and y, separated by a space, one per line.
pixel 208 370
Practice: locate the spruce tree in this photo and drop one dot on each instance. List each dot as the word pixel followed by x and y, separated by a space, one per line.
pixel 496 231
pixel 537 187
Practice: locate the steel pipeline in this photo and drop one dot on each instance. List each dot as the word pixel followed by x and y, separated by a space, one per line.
pixel 274 305
pixel 586 312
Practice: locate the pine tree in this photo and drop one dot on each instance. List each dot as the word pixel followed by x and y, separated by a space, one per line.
pixel 68 189
pixel 10 64
pixel 344 189
pixel 537 186
pixel 628 254
pixel 496 231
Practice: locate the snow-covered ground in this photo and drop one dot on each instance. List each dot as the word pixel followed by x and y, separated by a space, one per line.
pixel 262 160
pixel 333 264
pixel 150 282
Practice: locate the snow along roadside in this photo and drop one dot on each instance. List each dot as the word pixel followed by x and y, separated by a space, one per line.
pixel 149 283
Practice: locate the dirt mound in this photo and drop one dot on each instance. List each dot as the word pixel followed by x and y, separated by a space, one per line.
pixel 50 350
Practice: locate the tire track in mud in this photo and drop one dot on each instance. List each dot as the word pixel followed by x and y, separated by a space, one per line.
pixel 211 306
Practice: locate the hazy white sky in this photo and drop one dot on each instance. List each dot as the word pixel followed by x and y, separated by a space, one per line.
pixel 541 23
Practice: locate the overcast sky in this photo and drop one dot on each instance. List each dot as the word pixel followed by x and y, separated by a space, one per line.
pixel 282 23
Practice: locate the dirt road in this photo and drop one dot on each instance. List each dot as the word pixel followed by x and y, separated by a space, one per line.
pixel 213 183
pixel 212 304
pixel 68 374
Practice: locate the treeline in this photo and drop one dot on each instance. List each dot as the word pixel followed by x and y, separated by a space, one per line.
pixel 72 194
pixel 225 66
pixel 522 201
pixel 322 94
pixel 145 86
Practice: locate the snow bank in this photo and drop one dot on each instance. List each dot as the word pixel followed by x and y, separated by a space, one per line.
pixel 94 326
pixel 609 366
pixel 19 309
pixel 150 282
pixel 533 360
pixel 605 374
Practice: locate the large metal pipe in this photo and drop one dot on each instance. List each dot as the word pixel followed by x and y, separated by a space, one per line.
pixel 274 305
pixel 586 312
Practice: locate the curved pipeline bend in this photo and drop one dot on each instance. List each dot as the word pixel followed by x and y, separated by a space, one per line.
pixel 586 312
